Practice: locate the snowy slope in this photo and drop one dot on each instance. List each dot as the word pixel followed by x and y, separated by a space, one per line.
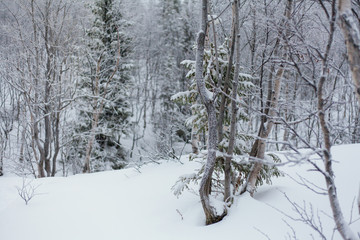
pixel 127 204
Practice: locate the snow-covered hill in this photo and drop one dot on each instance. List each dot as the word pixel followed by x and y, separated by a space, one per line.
pixel 132 205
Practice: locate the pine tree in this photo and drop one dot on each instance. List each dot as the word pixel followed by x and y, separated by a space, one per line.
pixel 104 88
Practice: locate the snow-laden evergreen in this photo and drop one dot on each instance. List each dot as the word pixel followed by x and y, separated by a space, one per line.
pixel 103 89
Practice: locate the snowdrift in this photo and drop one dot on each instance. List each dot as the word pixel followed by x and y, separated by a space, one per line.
pixel 132 205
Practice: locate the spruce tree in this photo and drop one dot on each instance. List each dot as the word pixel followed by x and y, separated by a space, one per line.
pixel 106 79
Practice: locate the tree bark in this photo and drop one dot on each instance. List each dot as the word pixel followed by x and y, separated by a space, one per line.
pixel 95 119
pixel 341 224
pixel 258 150
pixel 226 83
pixel 47 89
pixel 264 133
pixel 352 40
pixel 56 143
pixel 359 200
pixel 194 139
pixel 208 100
pixel 1 157
pixel 234 107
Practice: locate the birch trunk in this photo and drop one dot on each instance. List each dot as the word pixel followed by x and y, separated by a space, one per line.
pixel 342 226
pixel 95 120
pixel 352 40
pixel 258 150
pixel 264 133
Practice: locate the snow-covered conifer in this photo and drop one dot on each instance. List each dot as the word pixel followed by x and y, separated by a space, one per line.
pixel 103 89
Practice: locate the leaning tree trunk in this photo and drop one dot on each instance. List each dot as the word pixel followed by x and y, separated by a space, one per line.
pixel 264 133
pixel 258 150
pixel 209 102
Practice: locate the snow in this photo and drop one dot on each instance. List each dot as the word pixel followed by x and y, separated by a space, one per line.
pixel 246 76
pixel 181 95
pixel 138 205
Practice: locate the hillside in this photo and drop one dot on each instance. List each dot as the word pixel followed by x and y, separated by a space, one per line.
pixel 135 205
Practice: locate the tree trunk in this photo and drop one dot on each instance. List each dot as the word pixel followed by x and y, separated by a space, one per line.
pixel 50 65
pixel 98 107
pixel 359 200
pixel 1 159
pixel 341 224
pixel 264 133
pixel 208 100
pixel 226 83
pixel 267 124
pixel 352 40
pixel 95 119
pixel 86 168
pixel 194 140
pixel 56 143
pixel 23 138
pixel 234 108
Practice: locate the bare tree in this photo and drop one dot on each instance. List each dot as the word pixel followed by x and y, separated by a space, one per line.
pixel 267 122
pixel 319 84
pixel 342 226
pixel 27 191
pixel 41 64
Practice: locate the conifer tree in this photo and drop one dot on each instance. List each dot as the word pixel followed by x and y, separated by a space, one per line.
pixel 103 89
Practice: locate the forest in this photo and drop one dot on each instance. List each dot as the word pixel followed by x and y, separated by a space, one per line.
pixel 242 88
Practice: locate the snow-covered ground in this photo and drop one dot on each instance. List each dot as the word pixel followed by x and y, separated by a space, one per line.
pixel 127 204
